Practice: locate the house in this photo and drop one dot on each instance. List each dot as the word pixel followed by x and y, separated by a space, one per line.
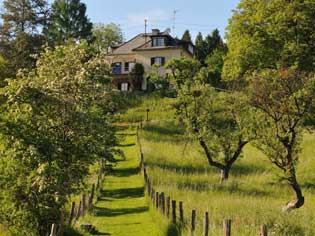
pixel 148 49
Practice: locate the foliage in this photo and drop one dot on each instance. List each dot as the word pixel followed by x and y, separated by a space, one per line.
pixel 106 36
pixel 211 74
pixel 186 36
pixel 161 82
pixel 205 47
pixel 182 70
pixel 218 121
pixel 55 122
pixel 136 76
pixel 284 99
pixel 68 21
pixel 271 47
pixel 20 36
pixel 3 72
pixel 270 34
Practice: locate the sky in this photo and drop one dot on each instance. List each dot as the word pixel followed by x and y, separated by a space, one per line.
pixel 196 15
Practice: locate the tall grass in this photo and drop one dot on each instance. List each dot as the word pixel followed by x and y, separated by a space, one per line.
pixel 254 194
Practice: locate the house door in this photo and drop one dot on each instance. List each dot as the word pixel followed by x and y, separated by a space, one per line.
pixel 124 87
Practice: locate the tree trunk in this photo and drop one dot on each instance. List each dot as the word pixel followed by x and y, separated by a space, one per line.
pixel 225 174
pixel 299 201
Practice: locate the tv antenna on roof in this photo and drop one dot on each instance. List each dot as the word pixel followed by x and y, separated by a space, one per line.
pixel 145 29
pixel 174 20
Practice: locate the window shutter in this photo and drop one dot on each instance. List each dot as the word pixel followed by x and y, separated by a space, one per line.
pixel 163 61
pixel 152 61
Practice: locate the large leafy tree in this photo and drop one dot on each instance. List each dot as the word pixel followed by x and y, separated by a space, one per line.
pixel 218 121
pixel 183 70
pixel 55 121
pixel 270 34
pixel 271 47
pixel 68 21
pixel 20 32
pixel 285 99
pixel 107 36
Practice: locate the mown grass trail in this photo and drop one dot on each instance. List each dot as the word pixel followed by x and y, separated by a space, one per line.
pixel 122 209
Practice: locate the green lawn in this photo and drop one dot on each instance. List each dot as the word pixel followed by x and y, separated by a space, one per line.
pixel 122 209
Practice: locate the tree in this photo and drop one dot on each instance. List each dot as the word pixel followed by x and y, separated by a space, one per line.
pixel 159 80
pixel 186 36
pixel 205 47
pixel 200 50
pixel 106 36
pixel 136 76
pixel 273 34
pixel 3 73
pixel 214 42
pixel 271 47
pixel 23 16
pixel 68 21
pixel 218 121
pixel 285 99
pixel 211 74
pixel 55 121
pixel 182 70
pixel 20 36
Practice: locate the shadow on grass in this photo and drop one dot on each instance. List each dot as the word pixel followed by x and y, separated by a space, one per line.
pixel 173 230
pixel 169 128
pixel 108 212
pixel 237 169
pixel 126 145
pixel 123 193
pixel 126 172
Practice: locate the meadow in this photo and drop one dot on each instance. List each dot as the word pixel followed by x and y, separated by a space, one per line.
pixel 254 194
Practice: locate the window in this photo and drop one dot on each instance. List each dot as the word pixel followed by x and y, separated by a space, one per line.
pixel 126 66
pixel 116 68
pixel 158 61
pixel 191 49
pixel 157 42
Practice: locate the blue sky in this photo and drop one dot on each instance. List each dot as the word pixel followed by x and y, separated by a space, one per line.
pixel 195 15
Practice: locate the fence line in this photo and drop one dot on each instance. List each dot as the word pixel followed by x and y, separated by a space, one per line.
pixel 169 206
pixel 84 205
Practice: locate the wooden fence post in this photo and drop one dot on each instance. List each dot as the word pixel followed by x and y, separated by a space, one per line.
pixel 263 230
pixel 193 222
pixel 174 211
pixel 71 212
pixel 89 202
pixel 168 203
pixel 227 227
pixel 79 210
pixel 162 202
pixel 98 182
pixel 83 206
pixel 141 160
pixel 62 223
pixel 157 200
pixel 153 196
pixel 53 230
pixel 92 192
pixel 149 187
pixel 181 212
pixel 145 175
pixel 206 225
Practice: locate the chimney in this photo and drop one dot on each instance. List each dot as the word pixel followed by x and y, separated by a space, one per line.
pixel 155 31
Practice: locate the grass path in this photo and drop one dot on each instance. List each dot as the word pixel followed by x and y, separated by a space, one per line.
pixel 122 209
